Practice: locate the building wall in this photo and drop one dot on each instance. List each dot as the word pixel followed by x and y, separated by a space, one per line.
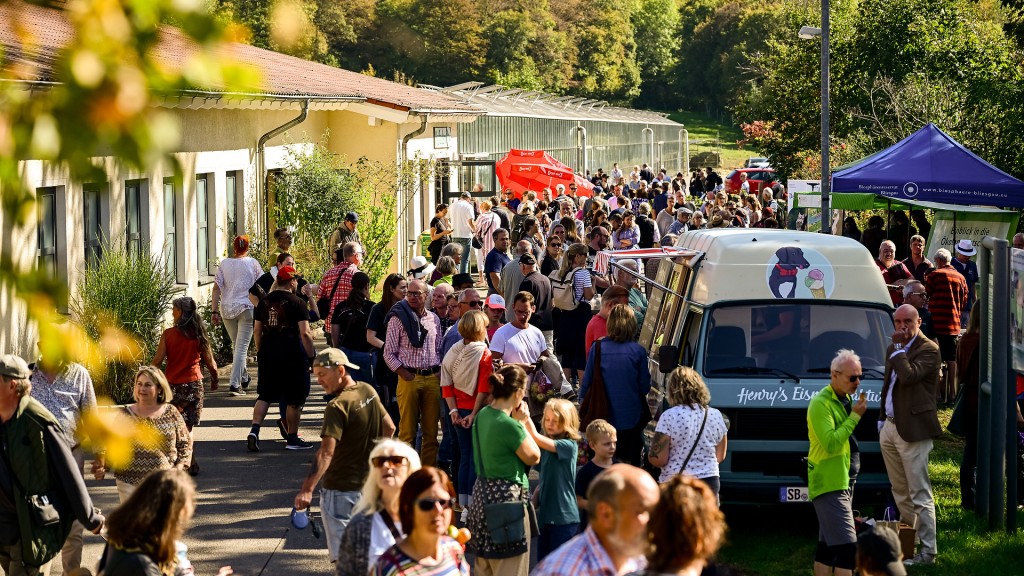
pixel 215 143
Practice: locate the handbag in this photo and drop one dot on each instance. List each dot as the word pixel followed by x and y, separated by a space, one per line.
pixel 696 441
pixel 906 533
pixel 506 521
pixel 595 404
pixel 323 304
pixel 956 420
pixel 477 242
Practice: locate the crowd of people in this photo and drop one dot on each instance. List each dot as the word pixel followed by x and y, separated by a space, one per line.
pixel 531 362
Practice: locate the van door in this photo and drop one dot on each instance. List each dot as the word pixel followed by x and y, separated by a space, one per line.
pixel 665 310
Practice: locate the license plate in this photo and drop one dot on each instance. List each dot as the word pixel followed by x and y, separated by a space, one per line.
pixel 793 494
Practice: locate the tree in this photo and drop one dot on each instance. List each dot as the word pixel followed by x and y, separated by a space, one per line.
pixel 654 25
pixel 525 50
pixel 606 62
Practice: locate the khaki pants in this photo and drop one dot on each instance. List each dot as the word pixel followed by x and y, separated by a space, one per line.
pixel 419 403
pixel 514 566
pixel 10 561
pixel 907 466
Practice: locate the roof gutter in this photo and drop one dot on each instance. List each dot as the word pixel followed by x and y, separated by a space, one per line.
pixel 262 194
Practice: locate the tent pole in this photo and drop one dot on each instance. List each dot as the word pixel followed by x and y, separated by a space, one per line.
pixel 888 218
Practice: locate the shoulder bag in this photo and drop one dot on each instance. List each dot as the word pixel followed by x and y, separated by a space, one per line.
pixel 563 291
pixel 693 449
pixel 595 404
pixel 323 305
pixel 506 521
pixel 478 237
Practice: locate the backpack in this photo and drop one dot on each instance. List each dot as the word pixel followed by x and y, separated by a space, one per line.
pixel 563 293
pixel 518 227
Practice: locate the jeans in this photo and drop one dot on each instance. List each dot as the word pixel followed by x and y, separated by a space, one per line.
pixel 466 251
pixel 336 510
pixel 240 331
pixel 552 536
pixel 445 453
pixel 419 401
pixel 466 474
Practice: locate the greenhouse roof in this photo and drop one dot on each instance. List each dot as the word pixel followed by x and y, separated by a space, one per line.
pixel 498 100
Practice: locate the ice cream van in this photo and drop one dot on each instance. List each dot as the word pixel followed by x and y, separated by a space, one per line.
pixel 760 314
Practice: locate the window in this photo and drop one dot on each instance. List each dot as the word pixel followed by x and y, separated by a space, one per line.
pixel 46 232
pixel 231 195
pixel 205 241
pixel 133 215
pixel 170 228
pixel 93 213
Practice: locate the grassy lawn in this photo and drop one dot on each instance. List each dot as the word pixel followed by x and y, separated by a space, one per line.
pixel 705 131
pixel 780 540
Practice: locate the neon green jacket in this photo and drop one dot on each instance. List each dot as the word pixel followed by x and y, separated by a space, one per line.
pixel 828 428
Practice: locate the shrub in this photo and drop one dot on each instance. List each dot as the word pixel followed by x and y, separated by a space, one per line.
pixel 132 291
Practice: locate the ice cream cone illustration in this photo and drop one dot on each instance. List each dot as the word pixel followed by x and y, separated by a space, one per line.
pixel 815 282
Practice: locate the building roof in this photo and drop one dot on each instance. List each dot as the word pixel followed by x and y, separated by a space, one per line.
pixel 284 77
pixel 498 100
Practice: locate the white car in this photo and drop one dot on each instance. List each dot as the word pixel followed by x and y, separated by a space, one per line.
pixel 756 162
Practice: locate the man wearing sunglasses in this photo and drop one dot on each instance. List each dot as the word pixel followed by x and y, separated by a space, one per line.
pixel 830 427
pixel 353 422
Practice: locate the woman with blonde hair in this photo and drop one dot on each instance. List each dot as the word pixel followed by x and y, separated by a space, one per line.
pixel 375 524
pixel 465 386
pixel 445 269
pixel 685 530
pixel 691 436
pixel 572 324
pixel 152 408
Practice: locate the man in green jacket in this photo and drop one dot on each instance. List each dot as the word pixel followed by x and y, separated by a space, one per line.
pixel 41 485
pixel 829 427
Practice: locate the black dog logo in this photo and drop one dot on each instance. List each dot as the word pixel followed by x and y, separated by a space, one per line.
pixel 791 261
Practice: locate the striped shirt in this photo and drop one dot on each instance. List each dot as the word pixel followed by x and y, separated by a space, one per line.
pixel 399 351
pixel 584 556
pixel 947 296
pixel 394 562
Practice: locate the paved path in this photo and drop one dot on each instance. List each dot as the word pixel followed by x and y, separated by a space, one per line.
pixel 244 499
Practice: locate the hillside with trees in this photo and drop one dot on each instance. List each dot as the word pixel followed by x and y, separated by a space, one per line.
pixel 896 64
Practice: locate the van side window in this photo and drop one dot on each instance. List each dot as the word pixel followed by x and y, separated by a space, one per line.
pixel 691 334
pixel 664 309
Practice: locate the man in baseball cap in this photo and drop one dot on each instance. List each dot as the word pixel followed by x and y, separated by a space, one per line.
pixel 494 307
pixel 353 421
pixel 878 553
pixel 36 460
pixel 346 232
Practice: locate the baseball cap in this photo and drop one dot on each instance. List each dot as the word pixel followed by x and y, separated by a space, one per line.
pixel 352 217
pixel 883 546
pixel 966 247
pixel 527 259
pixel 287 274
pixel 495 301
pixel 13 366
pixel 332 357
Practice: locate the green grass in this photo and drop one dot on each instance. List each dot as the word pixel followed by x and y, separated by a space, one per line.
pixel 780 540
pixel 703 133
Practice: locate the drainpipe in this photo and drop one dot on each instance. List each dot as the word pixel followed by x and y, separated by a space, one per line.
pixel 410 232
pixel 578 139
pixel 684 152
pixel 262 194
pixel 647 150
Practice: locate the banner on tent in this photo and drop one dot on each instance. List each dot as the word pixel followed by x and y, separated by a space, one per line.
pixel 1017 308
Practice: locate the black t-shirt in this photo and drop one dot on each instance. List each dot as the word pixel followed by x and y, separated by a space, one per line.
pixel 540 287
pixel 263 284
pixel 279 315
pixel 584 477
pixel 352 322
pixel 646 226
pixel 375 322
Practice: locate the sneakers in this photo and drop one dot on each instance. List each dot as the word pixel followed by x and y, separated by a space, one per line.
pixel 298 444
pixel 236 392
pixel 282 429
pixel 920 560
pixel 253 441
pixel 246 379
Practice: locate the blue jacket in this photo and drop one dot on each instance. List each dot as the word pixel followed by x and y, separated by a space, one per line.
pixel 626 376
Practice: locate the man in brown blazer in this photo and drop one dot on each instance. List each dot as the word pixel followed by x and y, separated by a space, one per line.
pixel 907 423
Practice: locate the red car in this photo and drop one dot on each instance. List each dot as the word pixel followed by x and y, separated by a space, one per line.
pixel 758 178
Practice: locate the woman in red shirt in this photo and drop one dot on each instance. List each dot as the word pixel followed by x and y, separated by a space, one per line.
pixel 184 345
pixel 465 387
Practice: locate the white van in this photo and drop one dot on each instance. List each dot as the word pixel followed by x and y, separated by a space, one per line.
pixel 760 314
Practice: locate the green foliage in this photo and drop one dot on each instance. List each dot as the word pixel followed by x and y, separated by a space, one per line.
pixel 526 50
pixel 606 53
pixel 129 290
pixel 220 343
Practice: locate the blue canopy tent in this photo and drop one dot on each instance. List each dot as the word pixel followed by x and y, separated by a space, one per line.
pixel 930 166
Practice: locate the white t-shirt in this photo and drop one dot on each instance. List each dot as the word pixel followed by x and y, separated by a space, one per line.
pixel 380 539
pixel 681 424
pixel 519 346
pixel 234 277
pixel 461 213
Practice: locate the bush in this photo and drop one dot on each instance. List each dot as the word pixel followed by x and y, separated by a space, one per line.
pixel 130 291
pixel 220 342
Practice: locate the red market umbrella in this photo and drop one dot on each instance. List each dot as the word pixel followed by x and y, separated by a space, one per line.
pixel 523 170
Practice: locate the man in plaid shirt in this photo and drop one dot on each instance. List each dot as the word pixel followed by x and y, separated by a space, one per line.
pixel 351 257
pixel 619 502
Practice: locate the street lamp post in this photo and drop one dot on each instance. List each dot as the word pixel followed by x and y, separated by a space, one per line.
pixel 826 180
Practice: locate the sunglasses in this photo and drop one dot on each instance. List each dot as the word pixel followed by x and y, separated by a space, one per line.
pixel 430 504
pixel 856 377
pixel 555 245
pixel 474 303
pixel 395 461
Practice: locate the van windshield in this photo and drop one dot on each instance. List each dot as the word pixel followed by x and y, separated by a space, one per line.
pixel 795 340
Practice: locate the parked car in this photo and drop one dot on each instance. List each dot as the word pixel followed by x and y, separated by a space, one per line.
pixel 758 178
pixel 757 162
